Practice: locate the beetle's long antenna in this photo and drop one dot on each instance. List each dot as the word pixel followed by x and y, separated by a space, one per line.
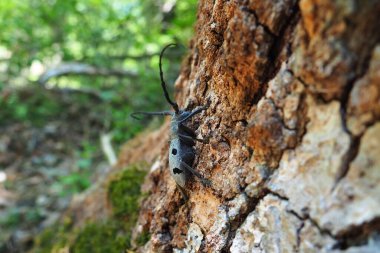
pixel 164 113
pixel 163 84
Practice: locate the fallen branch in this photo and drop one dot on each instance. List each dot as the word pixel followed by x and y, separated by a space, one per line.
pixel 75 68
pixel 93 93
pixel 133 57
pixel 105 140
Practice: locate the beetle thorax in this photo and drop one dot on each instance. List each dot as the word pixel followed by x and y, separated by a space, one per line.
pixel 176 122
pixel 174 126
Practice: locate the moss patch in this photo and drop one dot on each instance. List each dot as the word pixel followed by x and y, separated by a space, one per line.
pixel 124 192
pixel 143 238
pixel 112 235
pixel 99 238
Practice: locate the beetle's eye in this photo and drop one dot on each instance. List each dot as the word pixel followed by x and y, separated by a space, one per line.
pixel 174 151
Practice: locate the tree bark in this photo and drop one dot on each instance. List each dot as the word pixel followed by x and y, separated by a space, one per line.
pixel 293 121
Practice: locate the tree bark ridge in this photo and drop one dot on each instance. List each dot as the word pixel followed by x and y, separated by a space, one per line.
pixel 293 119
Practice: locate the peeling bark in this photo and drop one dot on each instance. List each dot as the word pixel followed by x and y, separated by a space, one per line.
pixel 293 122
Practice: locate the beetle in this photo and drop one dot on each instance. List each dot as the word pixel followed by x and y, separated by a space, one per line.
pixel 182 138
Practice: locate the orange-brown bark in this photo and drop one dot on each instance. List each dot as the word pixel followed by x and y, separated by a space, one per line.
pixel 293 121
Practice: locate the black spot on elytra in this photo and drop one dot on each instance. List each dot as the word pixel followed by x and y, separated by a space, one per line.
pixel 177 171
pixel 174 151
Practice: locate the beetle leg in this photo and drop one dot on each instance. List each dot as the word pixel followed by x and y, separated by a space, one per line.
pixel 192 134
pixel 188 130
pixel 190 138
pixel 205 182
pixel 186 139
pixel 183 193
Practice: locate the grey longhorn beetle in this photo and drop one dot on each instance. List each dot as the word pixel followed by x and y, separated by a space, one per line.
pixel 182 138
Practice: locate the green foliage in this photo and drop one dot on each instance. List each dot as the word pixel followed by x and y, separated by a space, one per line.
pixel 143 238
pixel 74 183
pixel 101 237
pixel 33 215
pixel 20 106
pixel 11 219
pixel 79 179
pixel 112 34
pixel 124 192
pixel 16 216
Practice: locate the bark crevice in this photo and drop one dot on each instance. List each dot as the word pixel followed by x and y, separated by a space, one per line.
pixel 277 138
pixel 354 139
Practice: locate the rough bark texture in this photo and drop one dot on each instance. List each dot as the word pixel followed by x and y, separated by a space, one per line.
pixel 294 128
pixel 294 152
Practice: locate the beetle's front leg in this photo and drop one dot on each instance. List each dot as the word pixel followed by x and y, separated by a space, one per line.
pixel 192 135
pixel 205 182
pixel 183 193
pixel 187 138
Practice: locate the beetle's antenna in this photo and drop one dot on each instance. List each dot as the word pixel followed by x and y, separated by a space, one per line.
pixel 163 84
pixel 164 113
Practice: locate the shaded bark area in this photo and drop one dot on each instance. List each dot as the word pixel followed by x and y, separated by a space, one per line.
pixel 293 122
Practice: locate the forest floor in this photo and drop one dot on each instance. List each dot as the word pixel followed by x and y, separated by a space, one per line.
pixel 41 168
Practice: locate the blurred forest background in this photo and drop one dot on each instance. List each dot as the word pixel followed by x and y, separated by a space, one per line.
pixel 71 72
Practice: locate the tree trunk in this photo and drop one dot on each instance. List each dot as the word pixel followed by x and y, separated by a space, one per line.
pixel 293 122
